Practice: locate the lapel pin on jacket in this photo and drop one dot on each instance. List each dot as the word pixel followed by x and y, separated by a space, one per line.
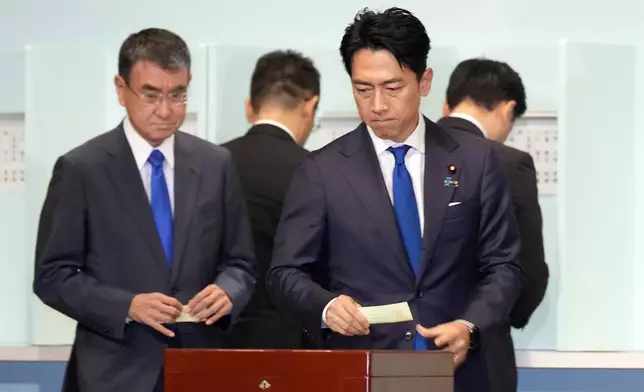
pixel 451 168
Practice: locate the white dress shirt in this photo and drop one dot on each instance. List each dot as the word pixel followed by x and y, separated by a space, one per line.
pixel 142 150
pixel 471 119
pixel 276 124
pixel 415 163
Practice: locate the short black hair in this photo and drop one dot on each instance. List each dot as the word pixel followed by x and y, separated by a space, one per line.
pixel 395 30
pixel 487 83
pixel 285 77
pixel 161 47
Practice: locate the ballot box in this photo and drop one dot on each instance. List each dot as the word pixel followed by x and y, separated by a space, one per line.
pixel 308 371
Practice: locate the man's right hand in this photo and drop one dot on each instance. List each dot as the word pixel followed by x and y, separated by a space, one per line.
pixel 343 317
pixel 155 309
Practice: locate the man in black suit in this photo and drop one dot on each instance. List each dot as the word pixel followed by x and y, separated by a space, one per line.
pixel 284 93
pixel 141 225
pixel 398 210
pixel 484 98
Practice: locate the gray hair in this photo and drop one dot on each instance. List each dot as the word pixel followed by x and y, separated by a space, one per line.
pixel 161 47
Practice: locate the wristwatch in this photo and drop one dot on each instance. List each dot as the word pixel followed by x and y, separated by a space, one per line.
pixel 474 332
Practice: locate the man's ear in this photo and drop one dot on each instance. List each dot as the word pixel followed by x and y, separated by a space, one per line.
pixel 120 86
pixel 508 109
pixel 251 116
pixel 426 82
pixel 309 107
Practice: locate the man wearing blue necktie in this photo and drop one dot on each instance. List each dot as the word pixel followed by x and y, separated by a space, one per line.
pixel 141 225
pixel 399 210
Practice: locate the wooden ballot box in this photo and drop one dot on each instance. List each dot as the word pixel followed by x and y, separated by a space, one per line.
pixel 307 371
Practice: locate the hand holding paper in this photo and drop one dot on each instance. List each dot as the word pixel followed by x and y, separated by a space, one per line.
pixel 343 317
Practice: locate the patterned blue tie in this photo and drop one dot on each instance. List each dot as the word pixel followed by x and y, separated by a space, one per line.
pixel 407 216
pixel 160 203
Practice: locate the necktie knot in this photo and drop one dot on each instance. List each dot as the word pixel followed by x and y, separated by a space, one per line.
pixel 156 158
pixel 399 153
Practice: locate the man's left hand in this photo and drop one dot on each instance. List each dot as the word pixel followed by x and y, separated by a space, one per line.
pixel 455 335
pixel 211 304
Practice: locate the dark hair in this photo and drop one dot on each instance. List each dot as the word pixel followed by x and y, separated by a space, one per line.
pixel 395 30
pixel 285 77
pixel 487 83
pixel 161 47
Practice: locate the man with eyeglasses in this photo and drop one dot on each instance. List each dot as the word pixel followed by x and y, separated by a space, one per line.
pixel 284 93
pixel 142 227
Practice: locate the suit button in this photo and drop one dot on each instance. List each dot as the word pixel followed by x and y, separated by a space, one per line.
pixel 419 294
pixel 174 291
pixel 408 335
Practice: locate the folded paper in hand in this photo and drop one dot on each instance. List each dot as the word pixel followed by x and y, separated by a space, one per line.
pixel 385 314
pixel 186 317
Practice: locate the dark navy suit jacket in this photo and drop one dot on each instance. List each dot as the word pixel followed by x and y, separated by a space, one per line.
pixel 338 218
pixel 98 247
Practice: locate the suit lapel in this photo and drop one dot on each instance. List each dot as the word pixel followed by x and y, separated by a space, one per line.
pixel 437 196
pixel 186 187
pixel 126 178
pixel 365 179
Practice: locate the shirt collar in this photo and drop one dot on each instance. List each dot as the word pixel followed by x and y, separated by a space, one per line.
pixel 471 119
pixel 276 124
pixel 416 140
pixel 142 149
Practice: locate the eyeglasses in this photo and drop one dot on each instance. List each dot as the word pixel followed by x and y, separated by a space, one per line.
pixel 155 98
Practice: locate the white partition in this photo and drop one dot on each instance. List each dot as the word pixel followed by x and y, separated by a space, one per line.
pixel 335 84
pixel 596 197
pixel 13 293
pixel 65 97
pixel 638 270
pixel 442 60
pixel 229 73
pixel 13 282
pixel 12 80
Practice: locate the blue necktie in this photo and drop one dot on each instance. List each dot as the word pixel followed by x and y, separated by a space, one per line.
pixel 160 203
pixel 407 216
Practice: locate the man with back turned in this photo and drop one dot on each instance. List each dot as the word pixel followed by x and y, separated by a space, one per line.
pixel 284 94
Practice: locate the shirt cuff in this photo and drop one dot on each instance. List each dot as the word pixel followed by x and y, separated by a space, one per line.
pixel 469 325
pixel 324 312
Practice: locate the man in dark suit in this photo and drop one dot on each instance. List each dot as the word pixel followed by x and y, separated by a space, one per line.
pixel 141 225
pixel 484 98
pixel 284 93
pixel 399 210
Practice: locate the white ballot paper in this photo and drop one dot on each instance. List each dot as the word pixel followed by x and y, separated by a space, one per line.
pixel 186 317
pixel 393 313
